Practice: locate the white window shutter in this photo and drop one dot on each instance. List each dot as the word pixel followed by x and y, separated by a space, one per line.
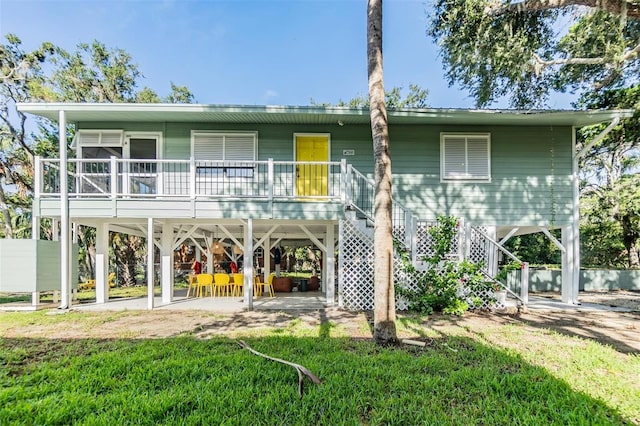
pixel 454 157
pixel 478 158
pixel 112 138
pixel 88 138
pixel 239 148
pixel 208 146
pixel 99 137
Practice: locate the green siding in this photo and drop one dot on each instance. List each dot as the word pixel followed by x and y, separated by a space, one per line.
pixel 33 265
pixel 530 166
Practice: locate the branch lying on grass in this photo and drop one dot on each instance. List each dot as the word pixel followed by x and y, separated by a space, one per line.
pixel 302 371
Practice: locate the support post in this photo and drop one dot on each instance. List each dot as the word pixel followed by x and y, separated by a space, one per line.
pixel 524 282
pixel 270 179
pixel 113 177
pixel 248 265
pixel 166 263
pixel 150 259
pixel 330 266
pixel 568 264
pixel 492 262
pixel 575 281
pixel 65 247
pixel 267 258
pixel 462 240
pixel 192 178
pixel 102 263
pixel 343 181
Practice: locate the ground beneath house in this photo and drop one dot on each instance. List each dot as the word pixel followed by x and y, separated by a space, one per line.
pixel 618 329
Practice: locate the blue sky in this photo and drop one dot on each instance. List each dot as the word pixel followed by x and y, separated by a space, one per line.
pixel 275 52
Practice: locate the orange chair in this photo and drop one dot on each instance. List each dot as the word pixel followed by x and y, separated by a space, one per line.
pixel 238 285
pixel 205 281
pixel 221 284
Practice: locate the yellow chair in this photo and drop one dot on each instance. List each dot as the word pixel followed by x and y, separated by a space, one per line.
pixel 91 283
pixel 221 284
pixel 87 285
pixel 193 284
pixel 238 285
pixel 205 281
pixel 270 284
pixel 258 286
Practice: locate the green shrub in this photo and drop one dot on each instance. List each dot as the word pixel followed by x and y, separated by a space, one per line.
pixel 448 285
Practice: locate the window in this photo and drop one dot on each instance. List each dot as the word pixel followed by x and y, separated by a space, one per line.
pixel 98 138
pixel 219 154
pixel 465 157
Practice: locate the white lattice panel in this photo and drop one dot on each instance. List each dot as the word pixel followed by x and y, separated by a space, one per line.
pixel 399 233
pixel 355 277
pixel 479 246
pixel 483 300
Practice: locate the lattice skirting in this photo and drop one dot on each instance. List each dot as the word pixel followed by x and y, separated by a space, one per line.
pixel 355 269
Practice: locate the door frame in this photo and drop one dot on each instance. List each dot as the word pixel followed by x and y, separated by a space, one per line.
pixel 126 155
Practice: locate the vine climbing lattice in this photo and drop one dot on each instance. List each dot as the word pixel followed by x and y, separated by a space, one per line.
pixel 356 264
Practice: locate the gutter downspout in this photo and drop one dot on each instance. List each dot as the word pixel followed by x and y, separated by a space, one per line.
pixel 575 276
pixel 64 213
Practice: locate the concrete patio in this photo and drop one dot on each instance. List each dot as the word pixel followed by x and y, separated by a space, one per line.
pixel 312 300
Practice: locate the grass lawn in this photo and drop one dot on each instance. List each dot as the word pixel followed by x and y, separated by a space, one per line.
pixel 88 295
pixel 459 378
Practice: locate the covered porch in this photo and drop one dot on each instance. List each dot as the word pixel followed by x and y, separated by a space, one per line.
pixel 232 239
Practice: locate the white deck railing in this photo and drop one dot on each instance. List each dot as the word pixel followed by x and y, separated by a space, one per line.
pixel 190 179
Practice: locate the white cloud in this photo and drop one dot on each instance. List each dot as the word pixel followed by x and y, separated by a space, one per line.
pixel 270 94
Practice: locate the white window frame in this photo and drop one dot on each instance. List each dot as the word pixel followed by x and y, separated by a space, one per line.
pixel 466 177
pixel 114 138
pixel 126 154
pixel 253 134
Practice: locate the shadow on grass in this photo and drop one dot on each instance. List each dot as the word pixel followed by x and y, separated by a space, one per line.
pixel 616 330
pixel 193 381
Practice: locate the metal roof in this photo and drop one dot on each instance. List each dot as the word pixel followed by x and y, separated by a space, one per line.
pixel 271 114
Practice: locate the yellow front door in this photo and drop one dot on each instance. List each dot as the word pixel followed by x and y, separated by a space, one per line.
pixel 312 180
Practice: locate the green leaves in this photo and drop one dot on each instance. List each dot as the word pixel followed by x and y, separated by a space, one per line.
pixel 610 195
pixel 523 55
pixel 445 284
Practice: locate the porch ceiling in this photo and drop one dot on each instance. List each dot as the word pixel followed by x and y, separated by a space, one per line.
pixel 286 230
pixel 78 112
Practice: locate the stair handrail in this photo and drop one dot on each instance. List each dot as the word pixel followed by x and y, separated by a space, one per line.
pixel 399 215
pixel 524 278
pixel 503 286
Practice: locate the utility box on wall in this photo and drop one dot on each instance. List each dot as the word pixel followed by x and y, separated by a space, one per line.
pixel 33 265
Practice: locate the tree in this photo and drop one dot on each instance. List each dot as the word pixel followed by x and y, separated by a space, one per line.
pixel 384 314
pixel 610 184
pixel 416 98
pixel 92 73
pixel 513 49
pixel 20 76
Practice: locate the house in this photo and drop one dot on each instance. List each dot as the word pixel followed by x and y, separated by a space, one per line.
pixel 253 176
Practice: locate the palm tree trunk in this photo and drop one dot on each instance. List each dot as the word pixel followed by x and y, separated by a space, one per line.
pixel 384 314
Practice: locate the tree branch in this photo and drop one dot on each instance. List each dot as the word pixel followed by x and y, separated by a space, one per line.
pixel 616 7
pixel 615 64
pixel 302 371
